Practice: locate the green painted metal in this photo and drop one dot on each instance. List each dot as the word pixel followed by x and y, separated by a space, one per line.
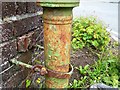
pixel 58 3
pixel 57 17
pixel 15 61
pixel 57 37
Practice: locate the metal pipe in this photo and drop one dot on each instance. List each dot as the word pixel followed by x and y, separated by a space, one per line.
pixel 57 18
pixel 16 62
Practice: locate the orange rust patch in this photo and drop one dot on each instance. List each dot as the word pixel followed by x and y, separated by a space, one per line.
pixel 49 83
pixel 57 42
pixel 62 37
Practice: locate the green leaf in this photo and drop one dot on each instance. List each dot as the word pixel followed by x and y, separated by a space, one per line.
pixel 74 40
pixel 95 43
pixel 111 61
pixel 86 67
pixel 107 80
pixel 28 82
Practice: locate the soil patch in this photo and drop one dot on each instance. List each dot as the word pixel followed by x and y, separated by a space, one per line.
pixel 81 58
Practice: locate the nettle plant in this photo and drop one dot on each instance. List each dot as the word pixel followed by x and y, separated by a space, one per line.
pixel 89 32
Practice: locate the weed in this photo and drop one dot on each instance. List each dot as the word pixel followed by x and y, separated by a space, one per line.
pixel 89 32
pixel 105 70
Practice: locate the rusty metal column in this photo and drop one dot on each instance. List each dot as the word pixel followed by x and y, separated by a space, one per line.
pixel 57 18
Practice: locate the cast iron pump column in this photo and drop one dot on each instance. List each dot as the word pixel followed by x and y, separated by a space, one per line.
pixel 57 18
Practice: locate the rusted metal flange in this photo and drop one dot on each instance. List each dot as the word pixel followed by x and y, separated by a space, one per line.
pixel 51 73
pixel 60 75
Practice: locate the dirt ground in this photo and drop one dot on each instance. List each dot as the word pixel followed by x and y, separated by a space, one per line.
pixel 81 58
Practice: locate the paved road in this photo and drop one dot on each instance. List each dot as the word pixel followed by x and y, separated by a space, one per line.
pixel 108 12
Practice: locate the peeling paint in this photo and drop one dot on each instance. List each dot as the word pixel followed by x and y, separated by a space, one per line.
pixel 57 38
pixel 57 43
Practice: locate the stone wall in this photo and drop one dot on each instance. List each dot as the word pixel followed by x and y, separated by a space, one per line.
pixel 20 30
